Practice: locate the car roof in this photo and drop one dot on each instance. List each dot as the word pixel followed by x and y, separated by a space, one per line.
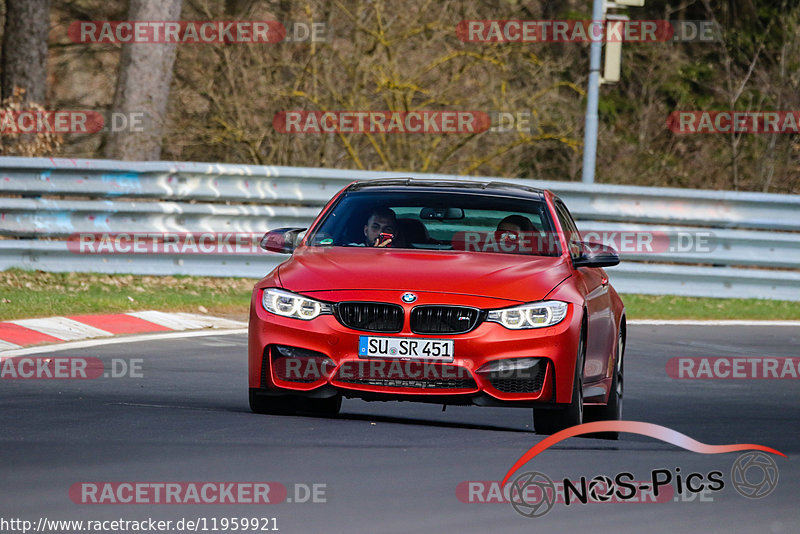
pixel 452 186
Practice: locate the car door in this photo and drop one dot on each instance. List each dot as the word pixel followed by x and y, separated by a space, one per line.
pixel 593 282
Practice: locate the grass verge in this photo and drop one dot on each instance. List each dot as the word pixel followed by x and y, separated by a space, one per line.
pixel 28 294
pixel 673 307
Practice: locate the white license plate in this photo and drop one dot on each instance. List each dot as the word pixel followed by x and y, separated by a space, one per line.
pixel 405 347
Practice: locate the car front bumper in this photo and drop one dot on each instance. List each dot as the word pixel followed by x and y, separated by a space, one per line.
pixel 337 368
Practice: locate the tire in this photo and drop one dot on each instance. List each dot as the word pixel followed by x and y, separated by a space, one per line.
pixel 612 411
pixel 322 407
pixel 550 421
pixel 272 405
pixel 291 405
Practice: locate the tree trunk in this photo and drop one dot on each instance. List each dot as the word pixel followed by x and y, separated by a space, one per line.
pixel 25 49
pixel 145 74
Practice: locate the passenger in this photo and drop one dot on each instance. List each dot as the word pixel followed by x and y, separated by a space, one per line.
pixel 516 232
pixel 516 224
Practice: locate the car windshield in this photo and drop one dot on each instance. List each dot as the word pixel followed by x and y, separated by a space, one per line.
pixel 439 221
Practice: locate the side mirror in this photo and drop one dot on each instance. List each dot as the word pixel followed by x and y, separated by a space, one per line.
pixel 596 255
pixel 282 240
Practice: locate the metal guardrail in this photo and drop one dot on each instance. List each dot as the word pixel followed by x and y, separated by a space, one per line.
pixel 314 187
pixel 41 217
pixel 44 200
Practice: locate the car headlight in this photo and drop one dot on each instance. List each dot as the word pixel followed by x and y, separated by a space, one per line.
pixel 288 304
pixel 533 315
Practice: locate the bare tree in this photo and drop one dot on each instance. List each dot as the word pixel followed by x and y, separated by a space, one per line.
pixel 25 49
pixel 378 57
pixel 143 83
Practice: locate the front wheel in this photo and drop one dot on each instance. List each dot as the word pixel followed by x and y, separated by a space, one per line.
pixel 290 405
pixel 612 411
pixel 328 407
pixel 272 405
pixel 550 421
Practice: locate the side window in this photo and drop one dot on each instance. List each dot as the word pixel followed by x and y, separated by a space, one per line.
pixel 568 224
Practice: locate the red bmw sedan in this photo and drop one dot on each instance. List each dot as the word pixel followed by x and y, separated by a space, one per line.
pixel 439 291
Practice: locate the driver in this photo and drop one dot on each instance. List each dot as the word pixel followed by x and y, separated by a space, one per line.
pixel 380 221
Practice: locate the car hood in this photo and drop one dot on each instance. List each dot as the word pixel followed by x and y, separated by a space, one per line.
pixel 505 276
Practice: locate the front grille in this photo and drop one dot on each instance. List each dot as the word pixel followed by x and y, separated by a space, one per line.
pixel 443 319
pixel 370 316
pixel 405 374
pixel 524 384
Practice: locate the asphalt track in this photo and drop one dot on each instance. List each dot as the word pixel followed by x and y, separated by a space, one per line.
pixel 391 467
